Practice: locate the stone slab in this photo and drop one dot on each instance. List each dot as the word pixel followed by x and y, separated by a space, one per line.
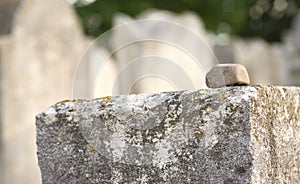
pixel 226 135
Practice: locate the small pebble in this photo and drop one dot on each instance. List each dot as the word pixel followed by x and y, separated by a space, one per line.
pixel 227 75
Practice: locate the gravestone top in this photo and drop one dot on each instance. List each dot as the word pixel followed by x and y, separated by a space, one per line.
pixel 224 135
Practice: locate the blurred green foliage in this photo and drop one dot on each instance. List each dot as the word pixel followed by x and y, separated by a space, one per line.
pixel 267 19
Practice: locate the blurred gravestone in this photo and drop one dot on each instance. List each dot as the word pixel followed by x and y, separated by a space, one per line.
pixel 277 63
pixel 189 56
pixel 224 53
pixel 260 59
pixel 1 144
pixel 39 55
pixel 291 54
pixel 7 10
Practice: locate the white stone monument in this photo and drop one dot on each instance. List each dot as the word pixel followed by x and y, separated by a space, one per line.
pixel 38 60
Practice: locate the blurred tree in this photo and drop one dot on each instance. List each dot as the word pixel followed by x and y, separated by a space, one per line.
pixel 269 19
pixel 248 18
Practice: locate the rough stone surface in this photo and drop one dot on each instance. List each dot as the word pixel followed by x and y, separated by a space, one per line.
pixel 225 135
pixel 227 75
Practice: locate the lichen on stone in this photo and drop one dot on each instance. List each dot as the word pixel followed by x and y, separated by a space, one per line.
pixel 225 135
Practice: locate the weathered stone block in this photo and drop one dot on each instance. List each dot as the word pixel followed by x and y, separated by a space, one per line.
pixel 225 135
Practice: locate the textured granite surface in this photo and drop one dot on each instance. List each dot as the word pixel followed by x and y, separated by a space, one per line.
pixel 225 135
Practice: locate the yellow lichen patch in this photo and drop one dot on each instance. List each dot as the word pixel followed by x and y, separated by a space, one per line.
pixel 224 96
pixel 209 109
pixel 290 108
pixel 106 99
pixel 256 137
pixel 202 94
pixel 94 149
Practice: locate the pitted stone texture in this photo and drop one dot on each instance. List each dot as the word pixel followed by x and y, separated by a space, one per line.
pixel 227 75
pixel 226 135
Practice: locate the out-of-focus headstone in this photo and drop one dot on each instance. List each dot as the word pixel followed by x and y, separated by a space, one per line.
pixel 291 54
pixel 38 60
pixel 1 139
pixel 96 74
pixel 224 53
pixel 159 60
pixel 7 12
pixel 259 59
pixel 223 48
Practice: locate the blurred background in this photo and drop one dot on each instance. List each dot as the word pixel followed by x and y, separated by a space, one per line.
pixel 50 50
